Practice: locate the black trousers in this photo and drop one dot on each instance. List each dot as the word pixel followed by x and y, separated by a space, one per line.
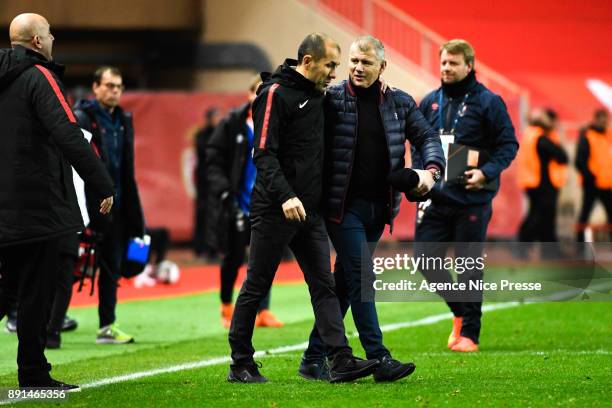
pixel 112 248
pixel 590 194
pixel 540 224
pixel 199 240
pixel 465 228
pixel 68 256
pixel 270 234
pixel 28 274
pixel 237 243
pixel 160 241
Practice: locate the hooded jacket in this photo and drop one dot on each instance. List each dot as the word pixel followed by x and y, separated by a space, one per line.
pixel 40 141
pixel 289 142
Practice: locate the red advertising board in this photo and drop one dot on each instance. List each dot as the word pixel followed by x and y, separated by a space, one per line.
pixel 166 123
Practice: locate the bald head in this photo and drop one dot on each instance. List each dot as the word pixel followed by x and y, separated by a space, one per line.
pixel 32 31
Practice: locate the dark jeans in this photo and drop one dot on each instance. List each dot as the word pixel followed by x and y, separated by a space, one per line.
pixel 466 226
pixel 112 249
pixel 590 194
pixel 270 234
pixel 237 242
pixel 361 228
pixel 28 275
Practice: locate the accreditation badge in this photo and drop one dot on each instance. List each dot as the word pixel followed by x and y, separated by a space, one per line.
pixel 446 139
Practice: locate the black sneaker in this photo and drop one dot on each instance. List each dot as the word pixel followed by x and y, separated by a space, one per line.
pixel 54 340
pixel 314 370
pixel 246 373
pixel 52 384
pixel 69 324
pixel 349 368
pixel 64 386
pixel 392 370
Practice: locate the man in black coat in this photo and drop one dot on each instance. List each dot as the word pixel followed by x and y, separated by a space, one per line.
pixel 113 139
pixel 367 131
pixel 231 176
pixel 459 210
pixel 285 206
pixel 38 204
pixel 203 244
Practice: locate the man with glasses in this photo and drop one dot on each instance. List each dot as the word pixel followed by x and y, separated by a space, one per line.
pixel 113 140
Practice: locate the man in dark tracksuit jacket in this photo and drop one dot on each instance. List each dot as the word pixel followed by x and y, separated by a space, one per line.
pixel 113 138
pixel 367 132
pixel 285 206
pixel 230 179
pixel 476 117
pixel 38 204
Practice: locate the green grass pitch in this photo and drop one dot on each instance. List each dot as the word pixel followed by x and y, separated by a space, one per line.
pixel 544 354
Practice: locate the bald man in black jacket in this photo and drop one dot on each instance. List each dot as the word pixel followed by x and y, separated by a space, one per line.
pixel 38 205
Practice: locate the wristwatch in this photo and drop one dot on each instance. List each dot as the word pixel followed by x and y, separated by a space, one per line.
pixel 437 175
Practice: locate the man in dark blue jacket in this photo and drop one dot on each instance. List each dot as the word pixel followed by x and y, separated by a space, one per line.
pixel 466 113
pixel 367 131
pixel 113 138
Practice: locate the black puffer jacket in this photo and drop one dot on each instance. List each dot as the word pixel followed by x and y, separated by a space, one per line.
pixel 401 120
pixel 40 140
pixel 289 142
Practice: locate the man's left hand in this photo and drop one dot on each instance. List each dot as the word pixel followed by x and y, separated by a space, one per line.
pixel 474 180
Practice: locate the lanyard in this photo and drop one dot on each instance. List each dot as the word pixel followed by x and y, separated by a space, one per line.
pixel 460 112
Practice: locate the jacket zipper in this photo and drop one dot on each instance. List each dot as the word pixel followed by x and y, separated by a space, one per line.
pixel 391 206
pixel 350 171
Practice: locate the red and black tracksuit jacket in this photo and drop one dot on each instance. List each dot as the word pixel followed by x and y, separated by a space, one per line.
pixel 39 141
pixel 289 142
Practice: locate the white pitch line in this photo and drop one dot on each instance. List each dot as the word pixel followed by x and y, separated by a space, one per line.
pixel 542 353
pixel 283 349
pixel 279 350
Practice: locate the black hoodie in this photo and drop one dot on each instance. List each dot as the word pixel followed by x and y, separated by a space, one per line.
pixel 39 141
pixel 289 142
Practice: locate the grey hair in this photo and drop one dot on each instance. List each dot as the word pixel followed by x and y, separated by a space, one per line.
pixel 368 42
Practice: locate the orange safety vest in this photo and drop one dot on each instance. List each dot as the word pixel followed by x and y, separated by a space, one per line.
pixel 600 157
pixel 529 162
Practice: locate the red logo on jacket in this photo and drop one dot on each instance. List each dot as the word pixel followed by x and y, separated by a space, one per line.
pixel 435 106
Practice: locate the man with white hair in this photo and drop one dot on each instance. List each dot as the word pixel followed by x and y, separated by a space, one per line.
pixel 367 130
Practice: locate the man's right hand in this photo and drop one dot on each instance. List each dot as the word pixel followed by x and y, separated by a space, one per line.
pixel 106 205
pixel 426 182
pixel 294 210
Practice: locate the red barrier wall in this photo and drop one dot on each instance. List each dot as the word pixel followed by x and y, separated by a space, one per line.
pixel 166 123
pixel 550 47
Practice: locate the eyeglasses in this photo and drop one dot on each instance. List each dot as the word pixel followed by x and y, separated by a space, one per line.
pixel 112 86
